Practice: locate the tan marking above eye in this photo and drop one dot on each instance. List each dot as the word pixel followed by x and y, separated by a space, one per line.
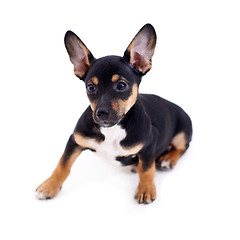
pixel 115 78
pixel 95 80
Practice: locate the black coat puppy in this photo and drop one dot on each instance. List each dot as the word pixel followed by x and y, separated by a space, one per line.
pixel 120 123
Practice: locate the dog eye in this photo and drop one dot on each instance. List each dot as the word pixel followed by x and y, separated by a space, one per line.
pixel 121 86
pixel 91 88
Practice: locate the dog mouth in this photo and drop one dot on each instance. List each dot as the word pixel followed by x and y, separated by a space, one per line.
pixel 107 123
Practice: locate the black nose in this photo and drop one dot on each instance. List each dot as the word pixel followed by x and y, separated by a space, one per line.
pixel 102 114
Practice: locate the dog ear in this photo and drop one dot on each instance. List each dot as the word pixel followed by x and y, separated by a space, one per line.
pixel 141 49
pixel 79 54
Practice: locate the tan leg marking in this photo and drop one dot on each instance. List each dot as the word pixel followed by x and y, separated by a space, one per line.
pixel 169 159
pixel 146 190
pixel 179 141
pixel 52 185
pixel 134 149
pixel 82 141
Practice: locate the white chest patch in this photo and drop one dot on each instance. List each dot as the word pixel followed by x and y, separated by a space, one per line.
pixel 110 148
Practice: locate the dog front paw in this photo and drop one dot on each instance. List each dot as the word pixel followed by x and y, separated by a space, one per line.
pixel 145 193
pixel 48 189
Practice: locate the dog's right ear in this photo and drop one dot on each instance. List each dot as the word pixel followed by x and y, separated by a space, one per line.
pixel 79 54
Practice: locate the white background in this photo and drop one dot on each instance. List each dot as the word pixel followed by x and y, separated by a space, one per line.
pixel 196 65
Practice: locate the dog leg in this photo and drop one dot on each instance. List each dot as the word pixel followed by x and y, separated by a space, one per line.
pixel 146 190
pixel 53 184
pixel 170 158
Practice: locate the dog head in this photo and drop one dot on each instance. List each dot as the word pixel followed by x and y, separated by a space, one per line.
pixel 112 81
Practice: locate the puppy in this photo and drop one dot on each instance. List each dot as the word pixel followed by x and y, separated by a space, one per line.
pixel 120 123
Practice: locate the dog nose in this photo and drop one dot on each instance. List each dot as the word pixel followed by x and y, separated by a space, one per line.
pixel 102 114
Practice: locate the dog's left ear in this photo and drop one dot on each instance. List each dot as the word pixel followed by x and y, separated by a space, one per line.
pixel 79 54
pixel 141 49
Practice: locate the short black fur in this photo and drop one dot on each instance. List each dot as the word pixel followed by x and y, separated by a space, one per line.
pixel 134 128
pixel 151 121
